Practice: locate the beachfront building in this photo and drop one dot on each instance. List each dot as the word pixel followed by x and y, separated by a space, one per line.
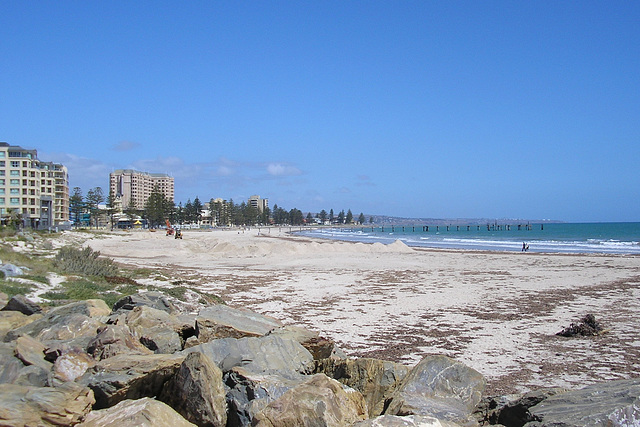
pixel 258 203
pixel 33 192
pixel 130 186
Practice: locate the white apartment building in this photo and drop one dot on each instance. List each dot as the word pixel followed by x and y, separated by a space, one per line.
pixel 37 190
pixel 127 185
pixel 258 203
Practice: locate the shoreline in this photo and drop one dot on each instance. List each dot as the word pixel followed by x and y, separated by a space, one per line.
pixel 497 312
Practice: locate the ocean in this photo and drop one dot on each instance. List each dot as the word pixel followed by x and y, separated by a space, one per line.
pixel 603 237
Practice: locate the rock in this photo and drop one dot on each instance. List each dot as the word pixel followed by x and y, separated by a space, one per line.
pixel 44 406
pixel 265 355
pixel 439 387
pixel 221 321
pixel 158 330
pixel 10 320
pixel 155 300
pixel 408 421
pixel 319 347
pixel 31 352
pixel 318 401
pixel 611 403
pixel 512 410
pixel 127 376
pixel 4 298
pixel 33 376
pixel 196 392
pixel 375 379
pixel 23 305
pixel 161 340
pixel 145 412
pixel 10 365
pixel 11 270
pixel 249 393
pixel 70 327
pixel 113 340
pixel 72 364
pixel 75 320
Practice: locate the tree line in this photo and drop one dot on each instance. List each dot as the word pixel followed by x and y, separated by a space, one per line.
pixel 158 209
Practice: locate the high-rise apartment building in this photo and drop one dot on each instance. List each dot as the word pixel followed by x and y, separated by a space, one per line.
pixel 130 185
pixel 258 203
pixel 38 191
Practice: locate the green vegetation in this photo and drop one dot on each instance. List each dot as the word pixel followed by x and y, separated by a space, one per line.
pixel 84 261
pixel 87 276
pixel 11 287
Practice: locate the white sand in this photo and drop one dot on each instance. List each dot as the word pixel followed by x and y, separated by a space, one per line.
pixel 496 312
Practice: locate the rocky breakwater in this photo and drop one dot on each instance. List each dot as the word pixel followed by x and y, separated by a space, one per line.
pixel 143 362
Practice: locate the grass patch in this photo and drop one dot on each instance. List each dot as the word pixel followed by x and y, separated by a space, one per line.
pixel 36 278
pixel 12 288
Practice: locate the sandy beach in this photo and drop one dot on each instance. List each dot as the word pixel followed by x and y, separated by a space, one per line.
pixel 497 312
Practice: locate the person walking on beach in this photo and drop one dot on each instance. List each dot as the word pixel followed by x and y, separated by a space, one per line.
pixel 524 246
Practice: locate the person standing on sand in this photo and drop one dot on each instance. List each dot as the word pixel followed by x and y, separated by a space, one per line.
pixel 524 246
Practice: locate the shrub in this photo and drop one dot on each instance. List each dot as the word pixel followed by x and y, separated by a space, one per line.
pixel 84 261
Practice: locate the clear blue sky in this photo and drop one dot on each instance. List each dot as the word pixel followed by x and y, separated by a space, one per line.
pixel 410 108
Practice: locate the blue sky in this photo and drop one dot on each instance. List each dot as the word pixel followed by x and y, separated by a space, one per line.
pixel 440 109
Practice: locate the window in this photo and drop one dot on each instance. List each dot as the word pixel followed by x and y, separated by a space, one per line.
pixel 2 191
pixel 15 164
pixel 2 163
pixel 14 182
pixel 14 200
pixel 3 154
pixel 2 181
pixel 15 173
pixel 24 164
pixel 1 200
pixel 15 191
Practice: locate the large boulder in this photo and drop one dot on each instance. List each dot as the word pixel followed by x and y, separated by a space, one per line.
pixel 127 376
pixel 31 352
pixel 250 392
pixel 439 387
pixel 196 392
pixel 264 355
pixel 10 365
pixel 319 347
pixel 512 410
pixel 11 270
pixel 221 321
pixel 76 320
pixel 318 401
pixel 23 305
pixel 158 330
pixel 113 340
pixel 611 403
pixel 145 412
pixel 152 299
pixel 10 320
pixel 66 405
pixel 375 379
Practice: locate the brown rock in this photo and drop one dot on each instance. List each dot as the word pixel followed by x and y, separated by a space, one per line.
pixel 318 401
pixel 196 392
pixel 145 412
pixel 66 405
pixel 375 379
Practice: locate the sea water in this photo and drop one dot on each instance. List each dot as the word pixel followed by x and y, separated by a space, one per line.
pixel 605 237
